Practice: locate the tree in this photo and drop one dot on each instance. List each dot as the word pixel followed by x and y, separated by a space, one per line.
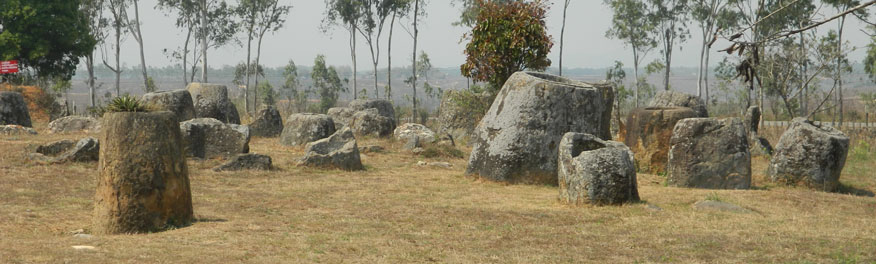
pixel 134 27
pixel 670 17
pixel 616 76
pixel 291 84
pixel 418 13
pixel 257 18
pixel 46 37
pixel 507 38
pixel 211 21
pixel 870 59
pixel 345 14
pixel 118 20
pixel 326 82
pixel 563 33
pixel 469 11
pixel 271 19
pixel 92 10
pixel 632 24
pixel 267 93
pixel 841 5
pixel 371 22
pixel 187 19
pixel 398 8
pixel 712 16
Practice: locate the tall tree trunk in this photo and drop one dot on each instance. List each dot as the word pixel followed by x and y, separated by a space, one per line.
pixel 389 60
pixel 700 70
pixel 248 68
pixel 185 57
pixel 636 72
pixel 256 84
pixel 562 34
pixel 839 73
pixel 139 38
pixel 353 54
pixel 89 63
pixel 668 58
pixel 414 60
pixel 706 74
pixel 118 70
pixel 204 41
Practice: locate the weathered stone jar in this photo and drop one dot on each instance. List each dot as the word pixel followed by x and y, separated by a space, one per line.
pixel 810 154
pixel 143 183
pixel 648 133
pixel 709 153
pixel 177 101
pixel 595 171
pixel 211 100
pixel 517 139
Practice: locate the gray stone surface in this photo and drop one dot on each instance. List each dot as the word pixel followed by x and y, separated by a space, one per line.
pixel 456 116
pixel 383 106
pixel 341 115
pixel 810 154
pixel 595 171
pixel 267 123
pixel 16 130
pixel 177 101
pixel 752 120
pixel 211 101
pixel 13 109
pixel 648 133
pixel 709 153
pixel 408 130
pixel 74 124
pixel 412 143
pixel 210 138
pixel 369 122
pixel 517 139
pixel 677 99
pixel 248 161
pixel 304 128
pixel 337 151
pixel 85 150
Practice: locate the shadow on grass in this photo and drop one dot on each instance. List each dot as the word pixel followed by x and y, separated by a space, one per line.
pixel 848 189
pixel 204 219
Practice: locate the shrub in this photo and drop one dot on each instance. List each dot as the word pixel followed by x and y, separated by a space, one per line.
pixel 441 150
pixel 125 103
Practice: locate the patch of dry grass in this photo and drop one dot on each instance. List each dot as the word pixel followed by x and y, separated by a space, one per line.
pixel 398 212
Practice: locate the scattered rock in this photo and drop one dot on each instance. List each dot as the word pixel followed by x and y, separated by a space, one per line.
pixel 74 124
pixel 666 99
pixel 383 106
pixel 422 163
pixel 177 101
pixel 13 130
pixel 371 149
pixel 85 248
pixel 443 165
pixel 341 116
pixel 85 150
pixel 210 138
pixel 304 128
pixel 719 206
pixel 648 133
pixel 417 151
pixel 369 122
pixel 13 109
pixel 143 182
pixel 83 236
pixel 810 154
pixel 709 153
pixel 653 207
pixel 211 101
pixel 595 171
pixel 246 162
pixel 407 131
pixel 337 151
pixel 267 123
pixel 517 139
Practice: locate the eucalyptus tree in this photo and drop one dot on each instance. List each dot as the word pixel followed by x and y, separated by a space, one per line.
pixel 372 21
pixel 841 5
pixel 118 20
pixel 345 14
pixel 187 19
pixel 563 33
pixel 712 16
pixel 210 21
pixel 399 9
pixel 93 11
pixel 257 18
pixel 632 24
pixel 670 18
pixel 134 27
pixel 271 19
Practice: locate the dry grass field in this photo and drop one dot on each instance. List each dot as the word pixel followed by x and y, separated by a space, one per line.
pixel 399 212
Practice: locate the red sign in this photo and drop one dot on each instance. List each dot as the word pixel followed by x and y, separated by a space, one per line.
pixel 8 67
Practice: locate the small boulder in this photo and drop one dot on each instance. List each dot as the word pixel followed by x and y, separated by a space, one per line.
pixel 369 122
pixel 412 143
pixel 55 148
pixel 709 153
pixel 267 123
pixel 383 106
pixel 74 124
pixel 595 171
pixel 209 138
pixel 16 130
pixel 249 161
pixel 677 99
pixel 177 101
pixel 341 115
pixel 337 151
pixel 304 128
pixel 13 109
pixel 752 120
pixel 85 150
pixel 810 154
pixel 408 130
pixel 211 101
pixel 648 132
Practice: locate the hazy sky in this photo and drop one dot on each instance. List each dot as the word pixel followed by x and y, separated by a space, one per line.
pixel 301 39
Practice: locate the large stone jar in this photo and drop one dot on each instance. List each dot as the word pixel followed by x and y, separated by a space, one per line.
pixel 517 139
pixel 143 183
